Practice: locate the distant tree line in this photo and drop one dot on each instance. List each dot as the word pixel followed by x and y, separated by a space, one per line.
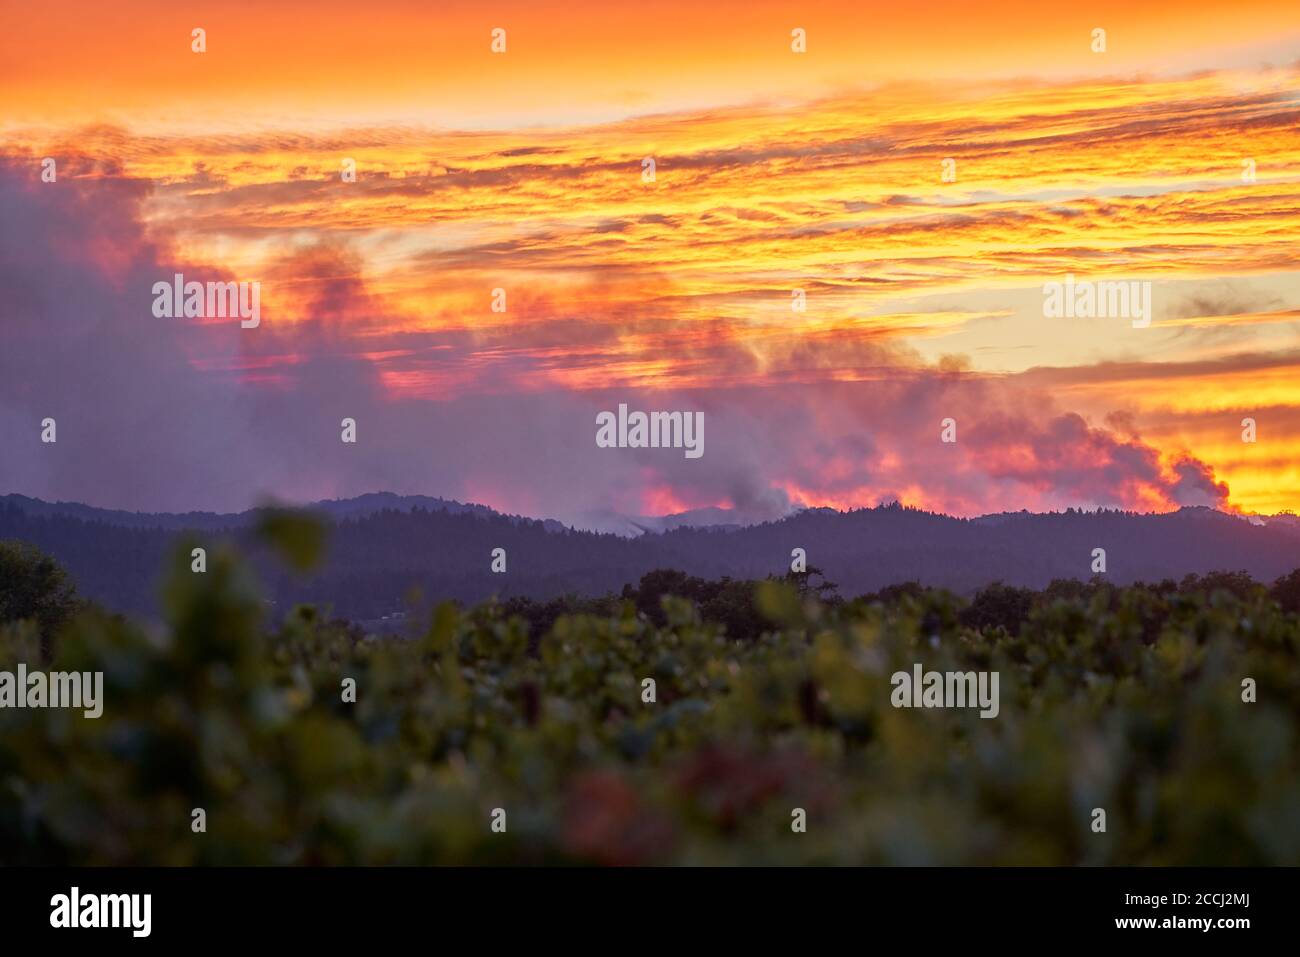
pixel 732 603
pixel 377 564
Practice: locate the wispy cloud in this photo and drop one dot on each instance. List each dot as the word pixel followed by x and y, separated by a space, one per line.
pixel 919 293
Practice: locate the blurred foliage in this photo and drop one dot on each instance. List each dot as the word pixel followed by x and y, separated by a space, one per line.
pixel 297 536
pixel 1127 699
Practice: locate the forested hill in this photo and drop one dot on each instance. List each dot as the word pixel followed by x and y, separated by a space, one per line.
pixel 444 549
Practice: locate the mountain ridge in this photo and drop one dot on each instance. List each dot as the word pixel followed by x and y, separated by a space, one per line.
pixel 375 559
pixel 607 521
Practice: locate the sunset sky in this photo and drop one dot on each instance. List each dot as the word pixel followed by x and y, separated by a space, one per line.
pixel 775 171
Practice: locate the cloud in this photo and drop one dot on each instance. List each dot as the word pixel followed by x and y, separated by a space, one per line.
pixel 672 298
pixel 1223 298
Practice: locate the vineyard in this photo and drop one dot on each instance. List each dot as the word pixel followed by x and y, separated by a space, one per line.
pixel 618 734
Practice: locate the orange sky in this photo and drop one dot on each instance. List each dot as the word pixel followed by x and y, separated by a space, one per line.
pixel 427 62
pixel 775 172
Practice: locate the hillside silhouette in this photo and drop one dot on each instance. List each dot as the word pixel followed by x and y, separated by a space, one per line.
pixel 384 549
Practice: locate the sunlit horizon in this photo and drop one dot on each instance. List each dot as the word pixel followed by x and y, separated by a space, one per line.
pixel 910 182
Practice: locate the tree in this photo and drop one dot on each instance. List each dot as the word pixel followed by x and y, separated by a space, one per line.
pixel 1286 591
pixel 1240 584
pixel 999 605
pixel 893 594
pixel 34 586
pixel 802 581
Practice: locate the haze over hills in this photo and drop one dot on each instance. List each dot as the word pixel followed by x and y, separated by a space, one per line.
pixel 382 547
pixel 602 521
pixel 366 504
